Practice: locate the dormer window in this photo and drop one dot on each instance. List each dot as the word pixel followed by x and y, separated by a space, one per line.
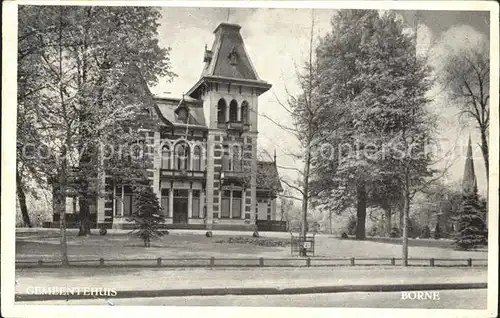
pixel 182 114
pixel 207 58
pixel 233 56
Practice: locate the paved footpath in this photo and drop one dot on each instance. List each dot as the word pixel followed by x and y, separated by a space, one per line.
pixel 161 278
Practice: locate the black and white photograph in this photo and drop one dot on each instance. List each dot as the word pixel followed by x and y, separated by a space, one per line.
pixel 226 157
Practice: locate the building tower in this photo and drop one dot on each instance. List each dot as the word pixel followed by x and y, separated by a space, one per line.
pixel 469 182
pixel 229 88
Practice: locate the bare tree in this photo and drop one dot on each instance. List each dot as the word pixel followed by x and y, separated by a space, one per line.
pixel 466 75
pixel 307 115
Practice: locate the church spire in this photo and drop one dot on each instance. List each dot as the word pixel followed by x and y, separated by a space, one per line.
pixel 469 182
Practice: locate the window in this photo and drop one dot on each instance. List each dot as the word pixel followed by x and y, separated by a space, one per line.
pixel 236 204
pixel 181 193
pixel 196 204
pixel 233 56
pixel 129 207
pixel 225 204
pixel 236 158
pixel 182 156
pixel 233 111
pixel 165 201
pixel 165 157
pixel 197 158
pixel 182 115
pixel 244 112
pixel 221 111
pixel 226 160
pixel 118 206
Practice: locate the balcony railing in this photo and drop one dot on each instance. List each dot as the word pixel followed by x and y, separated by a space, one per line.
pixel 234 125
pixel 232 176
pixel 183 174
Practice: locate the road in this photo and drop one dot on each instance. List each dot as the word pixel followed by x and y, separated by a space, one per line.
pixel 156 279
pixel 448 299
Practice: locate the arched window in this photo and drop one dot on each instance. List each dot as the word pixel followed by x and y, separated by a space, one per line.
pixel 221 111
pixel 182 155
pixel 197 158
pixel 233 111
pixel 244 113
pixel 165 157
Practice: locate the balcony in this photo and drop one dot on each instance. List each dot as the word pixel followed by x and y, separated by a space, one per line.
pixel 183 174
pixel 232 177
pixel 234 125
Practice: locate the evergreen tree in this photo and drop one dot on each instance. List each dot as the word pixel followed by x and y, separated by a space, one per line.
pixel 147 218
pixel 472 231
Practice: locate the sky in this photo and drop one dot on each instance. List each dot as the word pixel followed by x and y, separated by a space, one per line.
pixel 277 42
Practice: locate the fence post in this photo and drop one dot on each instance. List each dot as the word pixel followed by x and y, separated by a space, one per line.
pixel 101 261
pixel 431 261
pixel 352 261
pixel 469 262
pixel 308 262
pixel 261 261
pixel 393 261
pixel 158 261
pixel 40 262
pixel 212 261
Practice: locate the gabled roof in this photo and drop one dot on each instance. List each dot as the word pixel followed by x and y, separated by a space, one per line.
pixel 267 176
pixel 168 106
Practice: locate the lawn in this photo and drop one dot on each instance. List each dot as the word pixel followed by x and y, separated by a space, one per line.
pixel 44 244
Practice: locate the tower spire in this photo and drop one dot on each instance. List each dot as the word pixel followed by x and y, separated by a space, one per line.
pixel 274 156
pixel 469 182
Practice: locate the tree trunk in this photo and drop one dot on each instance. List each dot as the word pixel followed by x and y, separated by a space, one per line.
pixel 331 226
pixel 84 214
pixel 63 176
pixel 60 209
pixel 361 211
pixel 401 217
pixel 22 201
pixel 85 174
pixel 406 214
pixel 305 199
pixel 388 221
pixel 484 150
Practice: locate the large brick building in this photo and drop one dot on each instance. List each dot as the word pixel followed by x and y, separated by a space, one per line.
pixel 205 170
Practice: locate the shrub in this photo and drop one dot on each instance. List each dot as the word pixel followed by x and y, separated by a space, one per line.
pixel 395 232
pixel 437 232
pixel 255 234
pixel 374 231
pixel 413 228
pixel 344 235
pixel 351 225
pixel 426 232
pixel 208 234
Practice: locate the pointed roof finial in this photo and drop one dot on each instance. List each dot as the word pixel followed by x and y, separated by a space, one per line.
pixel 469 181
pixel 274 155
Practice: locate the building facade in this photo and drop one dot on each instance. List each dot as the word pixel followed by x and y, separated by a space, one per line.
pixel 203 149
